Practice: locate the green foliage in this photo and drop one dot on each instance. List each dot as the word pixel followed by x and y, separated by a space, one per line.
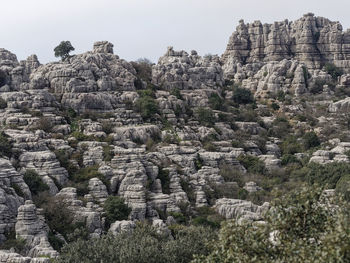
pixel 115 209
pixel 143 245
pixel 163 176
pixel 60 220
pixel 107 153
pixel 215 101
pixel 146 105
pixel 18 244
pixel 298 229
pixel 333 70
pixel 34 182
pixel 205 116
pixel 44 124
pixel 290 145
pixel 317 87
pixel 275 106
pixel 311 140
pixel 242 96
pixel 63 49
pixel 289 158
pixel 5 145
pixel 143 69
pixel 176 92
pixel 3 103
pixel 326 175
pixel 280 127
pixel 107 127
pixel 306 75
pixel 17 189
pixel 343 186
pixel 252 163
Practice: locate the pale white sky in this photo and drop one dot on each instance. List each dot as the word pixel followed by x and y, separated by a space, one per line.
pixel 144 28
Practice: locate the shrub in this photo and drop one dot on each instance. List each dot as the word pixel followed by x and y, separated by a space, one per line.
pixel 311 140
pixel 3 103
pixel 252 163
pixel 176 92
pixel 242 96
pixel 317 87
pixel 333 70
pixel 5 145
pixel 144 244
pixel 275 106
pixel 163 176
pixel 17 244
pixel 205 116
pixel 34 182
pixel 289 158
pixel 290 145
pixel 107 127
pixel 146 105
pixel 107 153
pixel 115 209
pixel 303 230
pixel 343 186
pixel 215 101
pixel 143 67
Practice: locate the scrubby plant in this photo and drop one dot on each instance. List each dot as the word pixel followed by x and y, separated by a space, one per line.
pixel 34 182
pixel 252 163
pixel 163 176
pixel 146 105
pixel 3 103
pixel 177 93
pixel 115 209
pixel 5 145
pixel 144 244
pixel 205 116
pixel 310 140
pixel 333 70
pixel 242 95
pixel 216 102
pixel 299 228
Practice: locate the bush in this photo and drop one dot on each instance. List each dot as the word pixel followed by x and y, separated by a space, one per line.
pixel 115 209
pixel 107 127
pixel 317 87
pixel 176 92
pixel 34 182
pixel 163 176
pixel 290 145
pixel 252 164
pixel 146 105
pixel 144 244
pixel 303 230
pixel 205 116
pixel 343 186
pixel 17 244
pixel 242 96
pixel 311 140
pixel 3 103
pixel 215 101
pixel 5 145
pixel 333 70
pixel 44 124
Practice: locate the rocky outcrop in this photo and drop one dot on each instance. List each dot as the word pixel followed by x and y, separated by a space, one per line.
pixel 32 228
pixel 240 209
pixel 179 70
pixel 311 40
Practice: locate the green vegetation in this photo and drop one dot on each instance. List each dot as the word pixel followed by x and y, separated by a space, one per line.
pixel 252 164
pixel 115 209
pixel 242 96
pixel 311 140
pixel 146 105
pixel 3 103
pixel 216 102
pixel 333 70
pixel 18 244
pixel 144 244
pixel 63 50
pixel 163 176
pixel 205 116
pixel 303 231
pixel 5 145
pixel 34 182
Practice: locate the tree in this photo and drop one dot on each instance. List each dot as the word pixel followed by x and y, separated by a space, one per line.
pixel 242 96
pixel 63 49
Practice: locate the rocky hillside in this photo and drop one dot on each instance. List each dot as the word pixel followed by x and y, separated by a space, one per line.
pixel 163 141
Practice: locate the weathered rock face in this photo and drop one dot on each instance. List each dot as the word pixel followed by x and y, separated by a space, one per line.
pixel 32 228
pixel 240 209
pixel 87 81
pixel 177 69
pixel 311 40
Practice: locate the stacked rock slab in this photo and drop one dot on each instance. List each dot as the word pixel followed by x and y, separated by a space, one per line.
pixel 311 40
pixel 32 228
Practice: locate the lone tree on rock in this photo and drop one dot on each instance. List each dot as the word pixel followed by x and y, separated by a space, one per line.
pixel 63 49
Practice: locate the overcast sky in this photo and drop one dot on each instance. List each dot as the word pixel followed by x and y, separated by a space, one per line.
pixel 144 28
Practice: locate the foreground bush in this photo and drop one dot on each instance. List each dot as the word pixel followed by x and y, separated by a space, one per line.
pixel 298 229
pixel 115 209
pixel 144 245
